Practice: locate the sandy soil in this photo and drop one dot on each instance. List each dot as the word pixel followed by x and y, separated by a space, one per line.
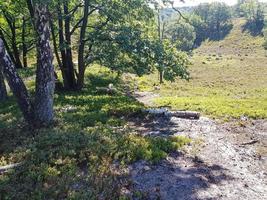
pixel 224 161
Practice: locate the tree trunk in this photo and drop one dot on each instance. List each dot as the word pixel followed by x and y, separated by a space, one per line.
pixel 67 69
pixel 61 46
pixel 2 36
pixel 24 45
pixel 69 60
pixel 161 77
pixel 54 39
pixel 3 92
pixel 81 64
pixel 16 84
pixel 160 35
pixel 45 78
pixel 12 25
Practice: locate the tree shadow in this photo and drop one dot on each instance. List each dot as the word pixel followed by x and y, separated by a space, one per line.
pixel 178 177
pixel 215 35
pixel 224 31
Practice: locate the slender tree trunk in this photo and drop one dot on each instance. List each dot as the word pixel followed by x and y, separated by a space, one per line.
pixel 160 34
pixel 24 45
pixel 16 84
pixel 12 25
pixel 81 63
pixel 3 92
pixel 54 39
pixel 69 61
pixel 15 47
pixel 45 78
pixel 161 77
pixel 62 47
pixel 2 36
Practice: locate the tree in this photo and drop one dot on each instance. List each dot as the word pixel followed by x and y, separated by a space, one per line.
pixel 200 28
pixel 3 91
pixel 41 111
pixel 45 77
pixel 16 84
pixel 15 30
pixel 217 17
pixel 182 34
pixel 254 13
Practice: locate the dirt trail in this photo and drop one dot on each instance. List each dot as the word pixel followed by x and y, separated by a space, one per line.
pixel 225 161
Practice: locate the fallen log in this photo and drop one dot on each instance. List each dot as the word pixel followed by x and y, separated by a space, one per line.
pixel 185 114
pixel 178 114
pixel 9 167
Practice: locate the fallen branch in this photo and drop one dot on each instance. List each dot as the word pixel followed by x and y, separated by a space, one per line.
pixel 178 114
pixel 186 114
pixel 250 143
pixel 9 167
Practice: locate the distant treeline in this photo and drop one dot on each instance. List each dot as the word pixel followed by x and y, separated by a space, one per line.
pixel 211 21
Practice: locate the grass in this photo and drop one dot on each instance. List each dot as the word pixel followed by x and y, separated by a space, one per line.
pixel 228 79
pixel 73 158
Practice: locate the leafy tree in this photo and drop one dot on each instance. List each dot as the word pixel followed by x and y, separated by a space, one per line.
pixel 115 34
pixel 254 13
pixel 217 16
pixel 182 34
pixel 200 28
pixel 173 61
pixel 16 30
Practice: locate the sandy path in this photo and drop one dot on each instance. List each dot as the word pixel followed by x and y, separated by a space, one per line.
pixel 218 165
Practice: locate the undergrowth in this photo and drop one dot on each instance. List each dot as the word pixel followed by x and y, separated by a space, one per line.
pixel 73 158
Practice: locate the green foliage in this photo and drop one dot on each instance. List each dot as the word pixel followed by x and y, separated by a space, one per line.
pixel 181 33
pixel 253 11
pixel 175 62
pixel 217 17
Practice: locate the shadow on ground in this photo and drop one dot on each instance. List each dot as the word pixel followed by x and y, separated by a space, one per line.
pixel 177 177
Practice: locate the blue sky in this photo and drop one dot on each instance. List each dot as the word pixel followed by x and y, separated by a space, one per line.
pixel 196 2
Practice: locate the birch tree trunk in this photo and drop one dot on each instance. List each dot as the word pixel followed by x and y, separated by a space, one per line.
pixel 45 78
pixel 16 84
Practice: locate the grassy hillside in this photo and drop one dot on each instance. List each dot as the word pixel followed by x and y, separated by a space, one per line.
pixel 229 78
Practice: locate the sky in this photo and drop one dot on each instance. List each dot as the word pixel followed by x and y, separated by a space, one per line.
pixel 196 2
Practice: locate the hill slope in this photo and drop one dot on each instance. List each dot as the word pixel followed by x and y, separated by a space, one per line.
pixel 229 78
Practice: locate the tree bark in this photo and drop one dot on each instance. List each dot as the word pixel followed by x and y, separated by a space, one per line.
pixel 69 60
pixel 81 63
pixel 45 78
pixel 16 84
pixel 24 45
pixel 3 92
pixel 2 36
pixel 54 39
